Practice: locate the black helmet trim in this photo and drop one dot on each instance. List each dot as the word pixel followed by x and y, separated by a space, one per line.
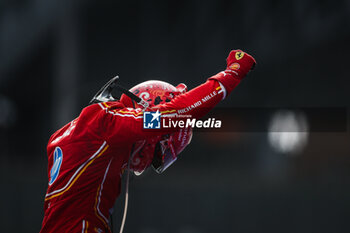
pixel 105 93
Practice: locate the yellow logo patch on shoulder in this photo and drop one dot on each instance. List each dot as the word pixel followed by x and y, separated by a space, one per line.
pixel 239 55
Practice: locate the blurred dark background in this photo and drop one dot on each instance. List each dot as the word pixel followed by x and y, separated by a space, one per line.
pixel 54 56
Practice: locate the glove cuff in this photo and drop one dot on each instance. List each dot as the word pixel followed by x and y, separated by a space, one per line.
pixel 228 78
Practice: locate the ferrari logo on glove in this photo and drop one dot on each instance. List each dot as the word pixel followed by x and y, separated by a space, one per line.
pixel 239 55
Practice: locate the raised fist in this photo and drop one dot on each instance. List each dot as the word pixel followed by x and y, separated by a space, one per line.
pixel 240 63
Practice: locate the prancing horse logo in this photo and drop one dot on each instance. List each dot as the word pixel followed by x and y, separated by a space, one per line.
pixel 57 162
pixel 239 55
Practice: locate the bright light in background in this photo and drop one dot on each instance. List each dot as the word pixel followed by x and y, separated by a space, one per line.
pixel 288 132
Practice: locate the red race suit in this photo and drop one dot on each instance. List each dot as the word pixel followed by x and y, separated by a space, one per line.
pixel 86 157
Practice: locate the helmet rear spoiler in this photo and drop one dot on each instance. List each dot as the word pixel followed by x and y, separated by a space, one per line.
pixel 105 93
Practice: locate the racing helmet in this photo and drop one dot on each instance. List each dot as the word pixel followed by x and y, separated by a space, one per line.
pixel 160 151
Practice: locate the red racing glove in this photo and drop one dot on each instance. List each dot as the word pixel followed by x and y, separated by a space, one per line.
pixel 240 63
